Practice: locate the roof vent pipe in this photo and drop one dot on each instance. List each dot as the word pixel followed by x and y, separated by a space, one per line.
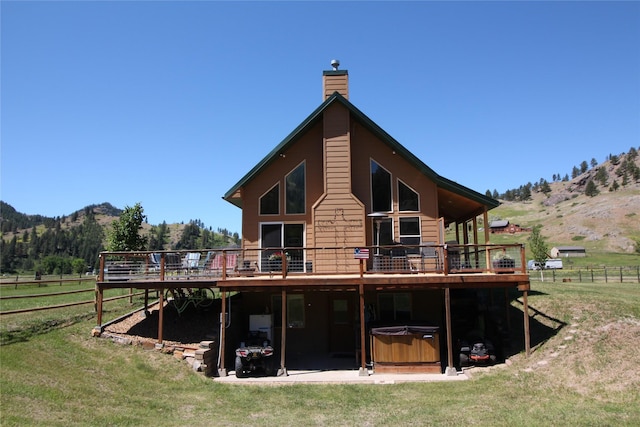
pixel 335 64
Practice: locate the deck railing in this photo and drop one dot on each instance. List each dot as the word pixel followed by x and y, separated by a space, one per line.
pixel 221 264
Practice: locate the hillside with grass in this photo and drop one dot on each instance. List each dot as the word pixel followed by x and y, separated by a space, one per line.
pixel 588 210
pixel 582 371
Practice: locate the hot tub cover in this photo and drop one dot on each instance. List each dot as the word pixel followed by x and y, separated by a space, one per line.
pixel 404 330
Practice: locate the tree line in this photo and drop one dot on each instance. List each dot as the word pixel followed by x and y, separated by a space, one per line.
pixel 626 171
pixel 47 246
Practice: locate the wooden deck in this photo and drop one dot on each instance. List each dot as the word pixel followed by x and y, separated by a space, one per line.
pixel 472 269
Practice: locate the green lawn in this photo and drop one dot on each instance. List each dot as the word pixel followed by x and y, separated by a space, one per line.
pixel 583 375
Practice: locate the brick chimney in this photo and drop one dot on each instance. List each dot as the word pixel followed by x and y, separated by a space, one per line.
pixel 335 81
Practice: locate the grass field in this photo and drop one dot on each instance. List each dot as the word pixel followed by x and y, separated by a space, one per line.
pixel 584 374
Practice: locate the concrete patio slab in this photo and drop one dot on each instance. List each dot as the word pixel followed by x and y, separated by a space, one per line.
pixel 339 377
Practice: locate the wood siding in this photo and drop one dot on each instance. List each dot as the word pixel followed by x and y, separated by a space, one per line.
pixel 309 149
pixel 338 217
pixel 335 82
pixel 365 147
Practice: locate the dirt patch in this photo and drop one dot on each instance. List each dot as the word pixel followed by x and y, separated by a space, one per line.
pixel 188 328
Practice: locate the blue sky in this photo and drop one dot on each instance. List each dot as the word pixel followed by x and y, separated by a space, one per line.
pixel 170 103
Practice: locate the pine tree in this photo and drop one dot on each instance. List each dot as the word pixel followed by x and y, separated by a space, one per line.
pixel 591 190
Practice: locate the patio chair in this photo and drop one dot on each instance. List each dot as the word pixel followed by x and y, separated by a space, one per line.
pixel 191 261
pixel 430 252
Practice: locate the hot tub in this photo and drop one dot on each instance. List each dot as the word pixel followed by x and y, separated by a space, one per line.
pixel 406 349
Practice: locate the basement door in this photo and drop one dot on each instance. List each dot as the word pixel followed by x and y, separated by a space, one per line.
pixel 342 332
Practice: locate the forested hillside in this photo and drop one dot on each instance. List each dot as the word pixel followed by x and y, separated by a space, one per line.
pixel 72 243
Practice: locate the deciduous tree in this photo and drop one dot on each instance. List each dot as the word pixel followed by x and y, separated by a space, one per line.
pixel 125 231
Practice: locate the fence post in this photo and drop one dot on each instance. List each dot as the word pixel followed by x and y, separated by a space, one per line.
pixel 606 279
pixel 580 276
pixel 620 274
pixel 592 275
pixel 553 274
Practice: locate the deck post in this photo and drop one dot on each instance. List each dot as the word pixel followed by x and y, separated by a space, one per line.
pixel 507 306
pixel 222 371
pixel 451 370
pixel 283 335
pixel 363 372
pixel 160 316
pixel 487 254
pixel 146 301
pixel 527 339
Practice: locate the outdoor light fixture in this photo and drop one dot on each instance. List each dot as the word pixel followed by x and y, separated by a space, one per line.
pixel 377 220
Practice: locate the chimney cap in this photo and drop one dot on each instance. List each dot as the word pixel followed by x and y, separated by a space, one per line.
pixel 335 64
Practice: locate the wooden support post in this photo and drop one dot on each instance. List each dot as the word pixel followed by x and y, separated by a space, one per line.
pixel 99 298
pixel 224 266
pixel 363 372
pixel 487 254
pixel 160 316
pixel 222 371
pixel 162 266
pixel 283 335
pixel 476 250
pixel 507 307
pixel 527 338
pixel 451 370
pixel 146 301
pixel 445 260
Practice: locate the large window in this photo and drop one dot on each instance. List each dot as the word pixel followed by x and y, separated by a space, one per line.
pixel 270 201
pixel 295 310
pixel 380 188
pixel 410 233
pixel 408 200
pixel 295 190
pixel 394 306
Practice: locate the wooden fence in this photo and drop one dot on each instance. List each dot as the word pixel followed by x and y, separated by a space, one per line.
pixel 16 284
pixel 590 275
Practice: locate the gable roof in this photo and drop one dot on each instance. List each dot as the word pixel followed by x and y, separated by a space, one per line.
pixel 450 188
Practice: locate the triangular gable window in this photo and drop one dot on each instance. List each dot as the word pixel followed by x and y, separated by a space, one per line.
pixel 408 200
pixel 270 201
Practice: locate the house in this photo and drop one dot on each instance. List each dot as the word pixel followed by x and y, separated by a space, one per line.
pixel 504 226
pixel 568 251
pixel 343 247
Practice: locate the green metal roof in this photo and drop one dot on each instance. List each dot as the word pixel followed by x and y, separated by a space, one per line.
pixel 359 116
